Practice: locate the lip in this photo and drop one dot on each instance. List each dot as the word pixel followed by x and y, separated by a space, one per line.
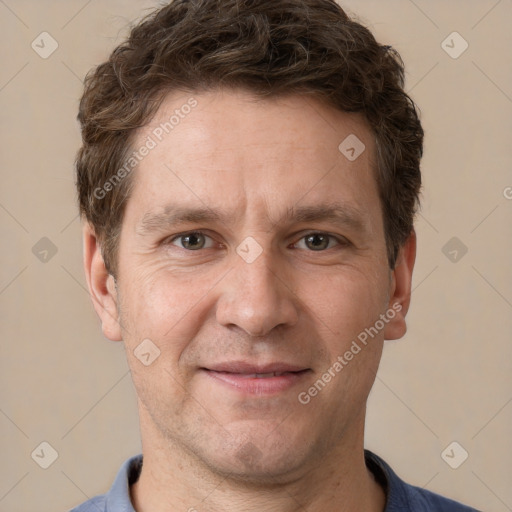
pixel 241 376
pixel 247 368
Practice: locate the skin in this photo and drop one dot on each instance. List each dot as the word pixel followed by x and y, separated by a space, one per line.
pixel 206 446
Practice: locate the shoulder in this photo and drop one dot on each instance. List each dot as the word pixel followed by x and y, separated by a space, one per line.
pixel 96 504
pixel 403 497
pixel 118 497
pixel 421 499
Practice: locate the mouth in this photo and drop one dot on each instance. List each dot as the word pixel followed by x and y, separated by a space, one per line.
pixel 260 375
pixel 258 380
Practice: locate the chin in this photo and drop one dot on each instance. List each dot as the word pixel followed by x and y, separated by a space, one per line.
pixel 253 467
pixel 261 460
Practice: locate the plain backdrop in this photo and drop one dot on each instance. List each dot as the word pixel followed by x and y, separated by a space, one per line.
pixel 448 380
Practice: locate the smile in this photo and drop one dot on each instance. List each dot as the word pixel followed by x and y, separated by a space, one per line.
pixel 257 383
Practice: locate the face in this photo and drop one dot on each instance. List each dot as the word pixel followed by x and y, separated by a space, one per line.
pixel 252 258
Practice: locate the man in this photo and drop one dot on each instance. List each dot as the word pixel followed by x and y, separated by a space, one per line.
pixel 248 180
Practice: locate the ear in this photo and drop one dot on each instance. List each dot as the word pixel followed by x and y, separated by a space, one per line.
pixel 101 285
pixel 400 291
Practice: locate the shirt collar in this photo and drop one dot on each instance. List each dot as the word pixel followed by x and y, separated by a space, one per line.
pixel 118 498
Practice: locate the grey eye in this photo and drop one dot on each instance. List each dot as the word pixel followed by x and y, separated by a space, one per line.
pixel 317 241
pixel 192 241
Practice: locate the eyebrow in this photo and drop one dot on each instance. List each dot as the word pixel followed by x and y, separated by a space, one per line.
pixel 338 213
pixel 172 216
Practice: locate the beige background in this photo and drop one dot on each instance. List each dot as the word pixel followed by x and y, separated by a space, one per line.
pixel 448 380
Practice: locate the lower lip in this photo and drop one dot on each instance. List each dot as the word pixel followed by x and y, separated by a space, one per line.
pixel 255 385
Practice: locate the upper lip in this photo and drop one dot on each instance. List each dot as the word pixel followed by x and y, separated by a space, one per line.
pixel 249 368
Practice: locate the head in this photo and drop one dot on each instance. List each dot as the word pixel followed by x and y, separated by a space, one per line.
pixel 284 126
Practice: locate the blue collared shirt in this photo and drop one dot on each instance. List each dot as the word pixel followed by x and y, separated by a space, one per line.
pixel 401 497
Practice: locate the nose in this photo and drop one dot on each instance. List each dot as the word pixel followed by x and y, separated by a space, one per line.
pixel 257 297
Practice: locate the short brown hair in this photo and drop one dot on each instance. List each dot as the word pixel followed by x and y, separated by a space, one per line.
pixel 269 47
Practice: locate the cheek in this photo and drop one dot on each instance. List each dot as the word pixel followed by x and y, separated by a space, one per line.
pixel 159 315
pixel 165 306
pixel 349 307
pixel 349 302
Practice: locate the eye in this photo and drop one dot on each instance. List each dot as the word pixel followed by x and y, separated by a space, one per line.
pixel 192 241
pixel 320 241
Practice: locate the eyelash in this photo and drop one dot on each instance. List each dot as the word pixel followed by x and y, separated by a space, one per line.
pixel 341 242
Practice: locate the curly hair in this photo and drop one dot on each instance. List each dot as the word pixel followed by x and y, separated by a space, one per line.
pixel 269 47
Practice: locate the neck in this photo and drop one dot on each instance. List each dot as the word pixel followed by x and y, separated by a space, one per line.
pixel 173 479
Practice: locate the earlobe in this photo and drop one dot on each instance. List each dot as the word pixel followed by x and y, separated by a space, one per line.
pixel 401 281
pixel 101 285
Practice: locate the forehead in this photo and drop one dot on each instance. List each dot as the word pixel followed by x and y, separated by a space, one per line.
pixel 231 149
